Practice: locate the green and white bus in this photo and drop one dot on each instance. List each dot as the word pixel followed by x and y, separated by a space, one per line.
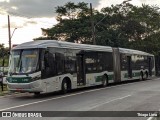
pixel 48 65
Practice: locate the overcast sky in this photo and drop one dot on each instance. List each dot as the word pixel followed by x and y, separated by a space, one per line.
pixel 29 16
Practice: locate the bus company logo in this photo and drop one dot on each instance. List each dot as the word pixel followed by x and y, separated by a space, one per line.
pixel 13 80
pixel 6 114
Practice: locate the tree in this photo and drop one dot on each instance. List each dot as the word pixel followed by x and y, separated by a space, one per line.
pixel 148 18
pixel 121 25
pixel 74 24
pixel 3 55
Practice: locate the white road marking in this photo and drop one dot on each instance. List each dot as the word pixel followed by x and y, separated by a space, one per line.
pixel 65 96
pixel 95 106
pixel 88 108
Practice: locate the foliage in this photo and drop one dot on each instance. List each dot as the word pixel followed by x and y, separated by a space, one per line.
pixel 74 24
pixel 121 25
pixel 3 55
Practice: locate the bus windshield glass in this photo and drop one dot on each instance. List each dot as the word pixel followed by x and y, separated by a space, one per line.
pixel 24 61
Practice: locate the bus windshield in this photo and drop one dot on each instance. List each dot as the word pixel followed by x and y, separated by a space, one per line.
pixel 24 61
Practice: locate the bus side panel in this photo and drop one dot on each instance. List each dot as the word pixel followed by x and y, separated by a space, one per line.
pixel 116 65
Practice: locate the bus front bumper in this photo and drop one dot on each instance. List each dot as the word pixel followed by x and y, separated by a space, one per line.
pixel 25 87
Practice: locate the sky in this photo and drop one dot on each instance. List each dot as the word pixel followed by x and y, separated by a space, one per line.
pixel 29 16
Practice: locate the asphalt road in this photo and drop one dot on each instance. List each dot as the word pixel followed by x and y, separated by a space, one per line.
pixel 134 96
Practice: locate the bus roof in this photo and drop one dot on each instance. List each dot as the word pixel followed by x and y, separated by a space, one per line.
pixel 131 51
pixel 63 44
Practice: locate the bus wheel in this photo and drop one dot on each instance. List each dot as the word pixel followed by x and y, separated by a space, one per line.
pixel 36 93
pixel 141 76
pixel 64 86
pixel 104 81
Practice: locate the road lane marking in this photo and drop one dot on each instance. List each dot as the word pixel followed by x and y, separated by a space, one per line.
pixel 59 98
pixel 49 99
pixel 120 98
pixel 63 96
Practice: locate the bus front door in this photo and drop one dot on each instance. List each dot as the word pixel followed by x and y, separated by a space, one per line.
pixel 81 77
pixel 129 69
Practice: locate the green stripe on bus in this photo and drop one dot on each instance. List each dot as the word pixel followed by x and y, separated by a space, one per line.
pixel 137 74
pixel 134 74
pixel 19 79
pixel 126 75
pixel 99 78
pixel 110 77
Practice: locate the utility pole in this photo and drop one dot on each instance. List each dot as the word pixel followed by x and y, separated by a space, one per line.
pixel 92 25
pixel 9 33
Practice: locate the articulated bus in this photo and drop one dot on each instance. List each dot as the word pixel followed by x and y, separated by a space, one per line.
pixel 48 65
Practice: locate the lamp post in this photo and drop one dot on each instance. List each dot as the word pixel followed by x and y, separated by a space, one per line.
pixel 13 32
pixel 10 38
pixel 9 33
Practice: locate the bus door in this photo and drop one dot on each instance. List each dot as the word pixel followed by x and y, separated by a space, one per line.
pixel 129 69
pixel 150 66
pixel 81 77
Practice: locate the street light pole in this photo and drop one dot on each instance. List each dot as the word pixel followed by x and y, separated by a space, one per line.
pixel 94 26
pixel 13 32
pixel 92 23
pixel 9 33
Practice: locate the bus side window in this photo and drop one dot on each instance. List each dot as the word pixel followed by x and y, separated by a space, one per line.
pixel 59 63
pixel 49 69
pixel 46 63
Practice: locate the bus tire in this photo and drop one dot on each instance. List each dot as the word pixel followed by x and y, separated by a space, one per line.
pixel 104 81
pixel 36 93
pixel 141 76
pixel 64 87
